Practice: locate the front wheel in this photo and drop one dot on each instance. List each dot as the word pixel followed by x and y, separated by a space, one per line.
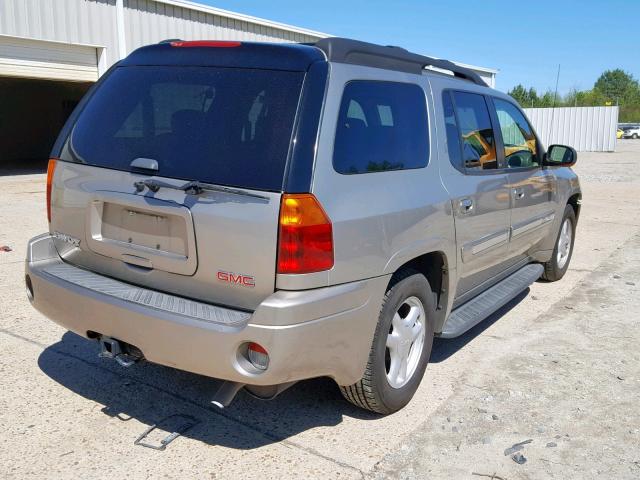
pixel 401 346
pixel 557 266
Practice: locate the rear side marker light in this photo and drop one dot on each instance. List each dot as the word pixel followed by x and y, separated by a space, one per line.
pixel 206 43
pixel 258 356
pixel 305 241
pixel 51 168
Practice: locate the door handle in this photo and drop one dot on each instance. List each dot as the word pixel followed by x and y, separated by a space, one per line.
pixel 465 205
pixel 518 193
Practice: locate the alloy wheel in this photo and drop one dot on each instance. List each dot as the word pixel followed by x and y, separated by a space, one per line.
pixel 405 342
pixel 564 243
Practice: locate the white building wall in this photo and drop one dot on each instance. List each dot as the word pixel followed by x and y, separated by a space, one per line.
pixel 149 21
pixel 587 129
pixel 94 23
pixel 80 22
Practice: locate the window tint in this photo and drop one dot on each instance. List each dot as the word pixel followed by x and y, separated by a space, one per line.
pixel 452 132
pixel 520 149
pixel 478 139
pixel 381 126
pixel 217 125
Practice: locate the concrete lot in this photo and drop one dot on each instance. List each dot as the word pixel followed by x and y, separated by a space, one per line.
pixel 559 366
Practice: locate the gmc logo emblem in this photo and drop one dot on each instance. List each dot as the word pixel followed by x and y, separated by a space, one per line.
pixel 230 277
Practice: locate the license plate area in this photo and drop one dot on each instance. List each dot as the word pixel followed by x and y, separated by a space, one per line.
pixel 144 228
pixel 143 231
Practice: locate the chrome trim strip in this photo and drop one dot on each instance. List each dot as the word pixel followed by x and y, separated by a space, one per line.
pixel 485 243
pixel 531 224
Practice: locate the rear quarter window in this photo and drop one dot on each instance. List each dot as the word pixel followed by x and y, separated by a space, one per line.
pixel 381 126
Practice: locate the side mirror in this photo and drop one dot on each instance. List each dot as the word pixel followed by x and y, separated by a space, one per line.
pixel 560 156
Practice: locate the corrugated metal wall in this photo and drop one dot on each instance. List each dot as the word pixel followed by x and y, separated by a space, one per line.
pixel 148 21
pixel 93 22
pixel 587 129
pixel 72 21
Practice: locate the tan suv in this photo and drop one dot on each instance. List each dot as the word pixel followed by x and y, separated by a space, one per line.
pixel 267 213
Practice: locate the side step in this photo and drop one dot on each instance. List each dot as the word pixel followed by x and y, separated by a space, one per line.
pixel 469 314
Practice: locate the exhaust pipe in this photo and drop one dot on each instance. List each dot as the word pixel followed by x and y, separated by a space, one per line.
pixel 226 393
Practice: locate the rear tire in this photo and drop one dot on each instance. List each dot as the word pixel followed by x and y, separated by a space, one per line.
pixel 404 331
pixel 557 266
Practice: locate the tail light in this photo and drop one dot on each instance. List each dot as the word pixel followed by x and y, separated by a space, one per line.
pixel 50 171
pixel 305 242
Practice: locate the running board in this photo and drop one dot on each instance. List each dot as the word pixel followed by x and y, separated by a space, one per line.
pixel 471 313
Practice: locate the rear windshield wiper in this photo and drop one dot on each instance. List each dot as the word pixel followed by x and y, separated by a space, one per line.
pixel 192 188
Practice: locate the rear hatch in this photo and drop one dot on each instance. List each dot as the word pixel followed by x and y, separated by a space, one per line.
pixel 123 199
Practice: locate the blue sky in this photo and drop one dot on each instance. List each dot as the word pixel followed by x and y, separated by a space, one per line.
pixel 526 43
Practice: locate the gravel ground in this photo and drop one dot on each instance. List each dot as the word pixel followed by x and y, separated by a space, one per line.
pixel 558 366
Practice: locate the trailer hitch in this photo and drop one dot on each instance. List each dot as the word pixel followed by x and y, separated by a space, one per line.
pixel 112 348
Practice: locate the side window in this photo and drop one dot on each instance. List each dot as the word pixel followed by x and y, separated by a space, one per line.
pixel 381 126
pixel 478 139
pixel 520 149
pixel 452 132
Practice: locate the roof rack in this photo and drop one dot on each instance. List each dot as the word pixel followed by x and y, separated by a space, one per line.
pixel 355 52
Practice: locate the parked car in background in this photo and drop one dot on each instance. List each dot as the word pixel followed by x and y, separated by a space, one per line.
pixel 631 132
pixel 619 133
pixel 267 213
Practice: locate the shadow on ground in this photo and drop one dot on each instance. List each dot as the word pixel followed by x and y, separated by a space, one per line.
pixel 23 167
pixel 444 348
pixel 152 393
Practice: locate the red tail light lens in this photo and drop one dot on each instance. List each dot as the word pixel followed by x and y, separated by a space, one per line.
pixel 50 171
pixel 206 43
pixel 305 243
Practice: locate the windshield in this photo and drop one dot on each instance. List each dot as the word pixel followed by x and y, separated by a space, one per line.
pixel 217 125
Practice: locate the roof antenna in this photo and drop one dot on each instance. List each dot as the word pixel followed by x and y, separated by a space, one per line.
pixel 553 106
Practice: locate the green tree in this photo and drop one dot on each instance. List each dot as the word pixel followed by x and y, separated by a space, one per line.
pixel 519 93
pixel 571 98
pixel 547 100
pixel 618 87
pixel 526 98
pixel 612 87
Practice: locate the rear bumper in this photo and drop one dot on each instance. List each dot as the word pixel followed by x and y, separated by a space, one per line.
pixel 320 332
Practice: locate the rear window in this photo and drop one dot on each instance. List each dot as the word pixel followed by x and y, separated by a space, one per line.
pixel 216 125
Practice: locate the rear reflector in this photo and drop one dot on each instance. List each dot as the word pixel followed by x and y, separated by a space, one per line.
pixel 50 171
pixel 305 242
pixel 206 43
pixel 258 356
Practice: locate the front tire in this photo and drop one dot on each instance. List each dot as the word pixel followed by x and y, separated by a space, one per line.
pixel 558 265
pixel 401 346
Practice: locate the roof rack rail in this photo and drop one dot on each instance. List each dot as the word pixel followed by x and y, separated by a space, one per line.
pixel 170 40
pixel 355 52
